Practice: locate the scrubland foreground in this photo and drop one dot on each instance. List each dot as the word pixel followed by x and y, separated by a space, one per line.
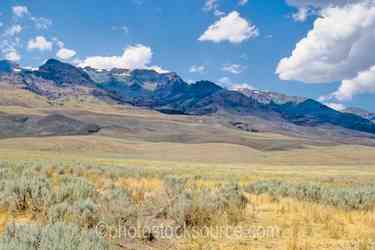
pixel 120 205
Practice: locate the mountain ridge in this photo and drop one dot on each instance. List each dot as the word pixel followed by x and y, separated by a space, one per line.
pixel 169 93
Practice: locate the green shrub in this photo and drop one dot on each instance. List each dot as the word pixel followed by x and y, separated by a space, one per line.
pixel 116 206
pixel 84 213
pixel 27 192
pixel 359 198
pixel 175 185
pixel 52 237
pixel 204 207
pixel 75 188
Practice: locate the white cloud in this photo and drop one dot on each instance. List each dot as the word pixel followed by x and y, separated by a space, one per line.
pixel 134 57
pixel 233 68
pixel 335 49
pixel 77 61
pixel 364 82
pixel 12 55
pixel 65 54
pixel 232 28
pixel 243 2
pixel 227 83
pixel 20 11
pixel 41 23
pixel 40 43
pixel 301 15
pixel 123 28
pixel 197 69
pixel 213 6
pixel 335 106
pixel 10 42
pixel 219 13
pixel 241 86
pixel 210 5
pixel 158 69
pixel 13 30
pixel 1 24
pixel 308 8
pixel 59 43
pixel 320 3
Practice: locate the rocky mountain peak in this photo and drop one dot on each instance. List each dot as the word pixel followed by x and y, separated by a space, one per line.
pixel 266 97
pixel 63 73
pixel 7 66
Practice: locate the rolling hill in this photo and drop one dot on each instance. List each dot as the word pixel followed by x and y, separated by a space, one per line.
pixel 61 86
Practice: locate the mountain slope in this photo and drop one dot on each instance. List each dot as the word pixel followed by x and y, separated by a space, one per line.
pixel 63 73
pixel 51 125
pixel 361 112
pixel 313 113
pixel 168 93
pixel 266 97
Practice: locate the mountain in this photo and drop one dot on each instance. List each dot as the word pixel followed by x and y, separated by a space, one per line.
pixel 266 97
pixel 361 112
pixel 313 113
pixel 63 73
pixel 51 125
pixel 7 67
pixel 54 80
pixel 169 93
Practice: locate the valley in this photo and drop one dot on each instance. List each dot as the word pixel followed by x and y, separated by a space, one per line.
pixel 73 156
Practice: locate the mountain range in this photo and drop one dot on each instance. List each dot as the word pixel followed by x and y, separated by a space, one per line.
pixel 170 94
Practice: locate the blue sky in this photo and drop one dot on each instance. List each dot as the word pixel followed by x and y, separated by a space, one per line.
pixel 244 49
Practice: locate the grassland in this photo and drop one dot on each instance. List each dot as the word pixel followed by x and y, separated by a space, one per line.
pixel 146 170
pixel 275 221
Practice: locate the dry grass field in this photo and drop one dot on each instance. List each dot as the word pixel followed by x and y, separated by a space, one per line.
pixel 152 181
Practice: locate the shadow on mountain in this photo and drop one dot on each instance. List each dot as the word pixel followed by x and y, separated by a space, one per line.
pixel 51 125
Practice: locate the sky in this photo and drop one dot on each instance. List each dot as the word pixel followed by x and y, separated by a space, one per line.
pixel 320 49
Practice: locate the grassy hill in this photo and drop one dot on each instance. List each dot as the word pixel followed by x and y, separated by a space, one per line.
pixel 192 173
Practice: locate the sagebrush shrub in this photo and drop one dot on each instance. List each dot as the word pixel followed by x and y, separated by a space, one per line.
pixel 75 188
pixel 27 192
pixel 361 198
pixel 52 237
pixel 204 207
pixel 116 205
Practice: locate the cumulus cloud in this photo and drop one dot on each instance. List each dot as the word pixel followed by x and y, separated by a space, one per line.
pixel 65 54
pixel 39 43
pixel 335 49
pixel 363 83
pixel 232 28
pixel 233 68
pixel 20 11
pixel 306 8
pixel 12 55
pixel 197 69
pixel 133 57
